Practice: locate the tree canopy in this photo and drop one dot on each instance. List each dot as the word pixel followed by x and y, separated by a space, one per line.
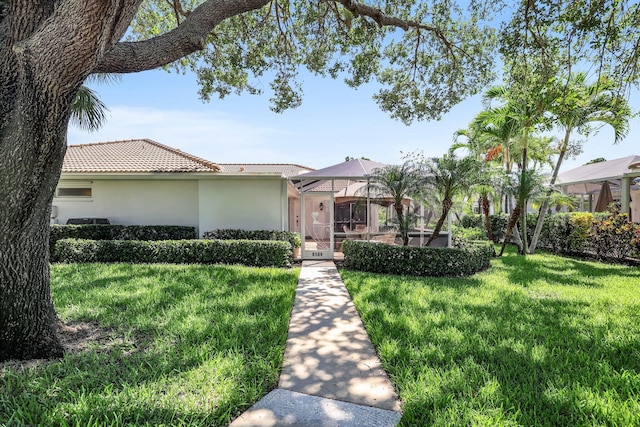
pixel 428 56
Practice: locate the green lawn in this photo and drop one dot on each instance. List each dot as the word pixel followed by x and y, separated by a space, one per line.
pixel 541 340
pixel 172 345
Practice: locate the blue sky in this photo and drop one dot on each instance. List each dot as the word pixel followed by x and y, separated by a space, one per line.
pixel 334 121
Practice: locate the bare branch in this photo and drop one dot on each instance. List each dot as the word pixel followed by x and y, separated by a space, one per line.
pixel 415 56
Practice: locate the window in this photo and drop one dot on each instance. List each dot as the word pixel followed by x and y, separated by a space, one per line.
pixel 74 192
pixel 78 190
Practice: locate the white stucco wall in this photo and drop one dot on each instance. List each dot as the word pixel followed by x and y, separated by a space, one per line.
pixel 258 203
pixel 134 202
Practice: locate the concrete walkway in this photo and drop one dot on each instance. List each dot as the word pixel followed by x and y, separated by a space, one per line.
pixel 331 374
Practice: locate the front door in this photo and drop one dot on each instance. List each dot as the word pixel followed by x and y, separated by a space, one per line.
pixel 316 224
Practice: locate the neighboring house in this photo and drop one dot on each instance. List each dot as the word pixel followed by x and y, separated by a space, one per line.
pixel 146 183
pixel 617 179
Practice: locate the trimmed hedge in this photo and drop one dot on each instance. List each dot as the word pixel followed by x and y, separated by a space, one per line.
pixel 118 232
pixel 245 252
pixel 605 235
pixel 236 234
pixel 413 261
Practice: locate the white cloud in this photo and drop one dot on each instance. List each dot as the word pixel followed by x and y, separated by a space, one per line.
pixel 212 135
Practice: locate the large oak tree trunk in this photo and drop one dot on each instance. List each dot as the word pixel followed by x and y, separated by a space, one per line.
pixel 47 49
pixel 32 147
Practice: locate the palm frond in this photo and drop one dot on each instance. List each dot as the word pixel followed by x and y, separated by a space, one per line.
pixel 88 112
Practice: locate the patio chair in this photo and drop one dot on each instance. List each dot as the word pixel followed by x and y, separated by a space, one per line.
pixel 388 238
pixel 350 235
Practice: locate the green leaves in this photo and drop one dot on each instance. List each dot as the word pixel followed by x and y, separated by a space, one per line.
pixel 444 54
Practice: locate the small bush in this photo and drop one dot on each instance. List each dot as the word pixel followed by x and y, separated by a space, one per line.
pixel 636 245
pixel 425 261
pixel 580 225
pixel 555 233
pixel 472 221
pixel 118 232
pixel 462 236
pixel 245 252
pixel 236 234
pixel 614 237
pixel 498 222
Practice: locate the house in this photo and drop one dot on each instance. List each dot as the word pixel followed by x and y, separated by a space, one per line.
pixel 143 182
pixel 598 184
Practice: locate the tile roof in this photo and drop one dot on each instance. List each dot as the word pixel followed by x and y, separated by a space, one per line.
pixel 134 155
pixel 286 169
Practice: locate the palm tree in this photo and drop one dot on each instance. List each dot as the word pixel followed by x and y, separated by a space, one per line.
pixel 525 184
pixel 486 190
pixel 474 141
pixel 514 124
pixel 577 106
pixel 399 183
pixel 449 176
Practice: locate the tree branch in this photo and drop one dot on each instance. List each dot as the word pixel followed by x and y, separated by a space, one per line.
pixel 178 10
pixel 381 19
pixel 190 36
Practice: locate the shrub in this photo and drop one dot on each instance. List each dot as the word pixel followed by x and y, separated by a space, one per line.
pixel 613 237
pixel 463 236
pixel 636 245
pixel 118 232
pixel 413 261
pixel 580 225
pixel 498 222
pixel 472 221
pixel 555 233
pixel 236 234
pixel 246 252
pixel 606 235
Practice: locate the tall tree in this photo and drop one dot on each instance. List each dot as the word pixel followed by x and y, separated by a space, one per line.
pixel 546 39
pixel 523 114
pixel 577 106
pixel 49 47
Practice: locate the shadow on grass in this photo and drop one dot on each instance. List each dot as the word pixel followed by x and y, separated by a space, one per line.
pixel 465 355
pixel 186 345
pixel 558 270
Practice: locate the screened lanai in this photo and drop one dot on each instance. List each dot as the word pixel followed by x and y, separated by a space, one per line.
pixel 335 205
pixel 592 183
